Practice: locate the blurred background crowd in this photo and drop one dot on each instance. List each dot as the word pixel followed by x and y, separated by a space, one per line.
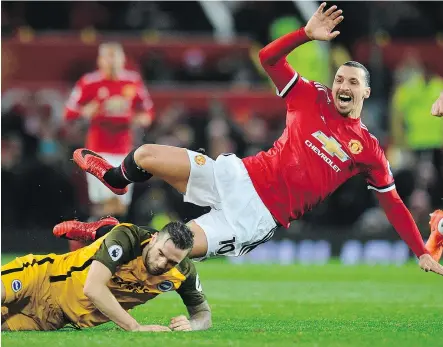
pixel 199 63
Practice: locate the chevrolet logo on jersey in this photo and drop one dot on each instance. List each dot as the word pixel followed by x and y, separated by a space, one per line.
pixel 330 146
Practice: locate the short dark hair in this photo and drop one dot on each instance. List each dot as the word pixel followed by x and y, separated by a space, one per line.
pixel 358 65
pixel 180 235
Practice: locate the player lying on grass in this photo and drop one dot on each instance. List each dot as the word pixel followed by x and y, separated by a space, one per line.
pixel 124 268
pixel 324 144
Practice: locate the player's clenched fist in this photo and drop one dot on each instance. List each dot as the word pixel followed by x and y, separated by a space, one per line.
pixel 180 323
pixel 321 24
pixel 437 107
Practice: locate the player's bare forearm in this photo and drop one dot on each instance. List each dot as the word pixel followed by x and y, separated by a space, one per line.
pixel 200 316
pixel 103 299
pixel 97 291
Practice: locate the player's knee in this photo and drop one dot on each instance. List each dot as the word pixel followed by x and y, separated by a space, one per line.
pixel 144 153
pixel 200 248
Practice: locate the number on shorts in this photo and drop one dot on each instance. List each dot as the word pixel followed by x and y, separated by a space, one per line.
pixel 227 246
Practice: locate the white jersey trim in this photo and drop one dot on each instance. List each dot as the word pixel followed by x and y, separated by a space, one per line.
pixel 384 189
pixel 288 86
pixel 366 128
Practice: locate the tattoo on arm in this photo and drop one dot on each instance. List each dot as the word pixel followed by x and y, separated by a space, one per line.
pixel 200 316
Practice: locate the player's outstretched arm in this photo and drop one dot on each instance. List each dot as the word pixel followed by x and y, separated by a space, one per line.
pixel 437 107
pixel 97 291
pixel 401 219
pixel 319 27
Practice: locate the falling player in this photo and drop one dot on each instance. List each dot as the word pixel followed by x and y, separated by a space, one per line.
pixel 125 267
pixel 323 145
pixel 112 99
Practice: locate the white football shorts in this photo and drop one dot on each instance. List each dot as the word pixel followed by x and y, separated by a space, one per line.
pixel 238 221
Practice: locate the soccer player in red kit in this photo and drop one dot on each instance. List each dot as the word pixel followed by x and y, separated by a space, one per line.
pixel 113 100
pixel 323 145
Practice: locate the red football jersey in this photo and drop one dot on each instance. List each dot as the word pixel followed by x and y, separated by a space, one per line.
pixel 119 100
pixel 318 151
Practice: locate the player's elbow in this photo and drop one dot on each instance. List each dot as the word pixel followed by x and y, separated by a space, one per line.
pixel 208 318
pixel 90 290
pixel 389 200
pixel 202 321
pixel 87 291
pixel 265 58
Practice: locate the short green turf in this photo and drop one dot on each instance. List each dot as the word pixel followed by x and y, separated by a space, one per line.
pixel 273 305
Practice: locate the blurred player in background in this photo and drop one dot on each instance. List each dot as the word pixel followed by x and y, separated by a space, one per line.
pixel 125 267
pixel 323 145
pixel 112 100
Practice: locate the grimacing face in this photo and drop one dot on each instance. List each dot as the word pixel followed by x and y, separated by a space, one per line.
pixel 161 255
pixel 349 90
pixel 111 59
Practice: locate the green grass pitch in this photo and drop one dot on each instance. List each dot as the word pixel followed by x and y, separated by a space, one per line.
pixel 266 305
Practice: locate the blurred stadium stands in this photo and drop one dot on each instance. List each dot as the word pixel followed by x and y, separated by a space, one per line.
pixel 208 92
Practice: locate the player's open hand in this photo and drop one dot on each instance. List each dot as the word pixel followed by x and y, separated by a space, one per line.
pixel 437 107
pixel 427 263
pixel 154 328
pixel 321 24
pixel 180 323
